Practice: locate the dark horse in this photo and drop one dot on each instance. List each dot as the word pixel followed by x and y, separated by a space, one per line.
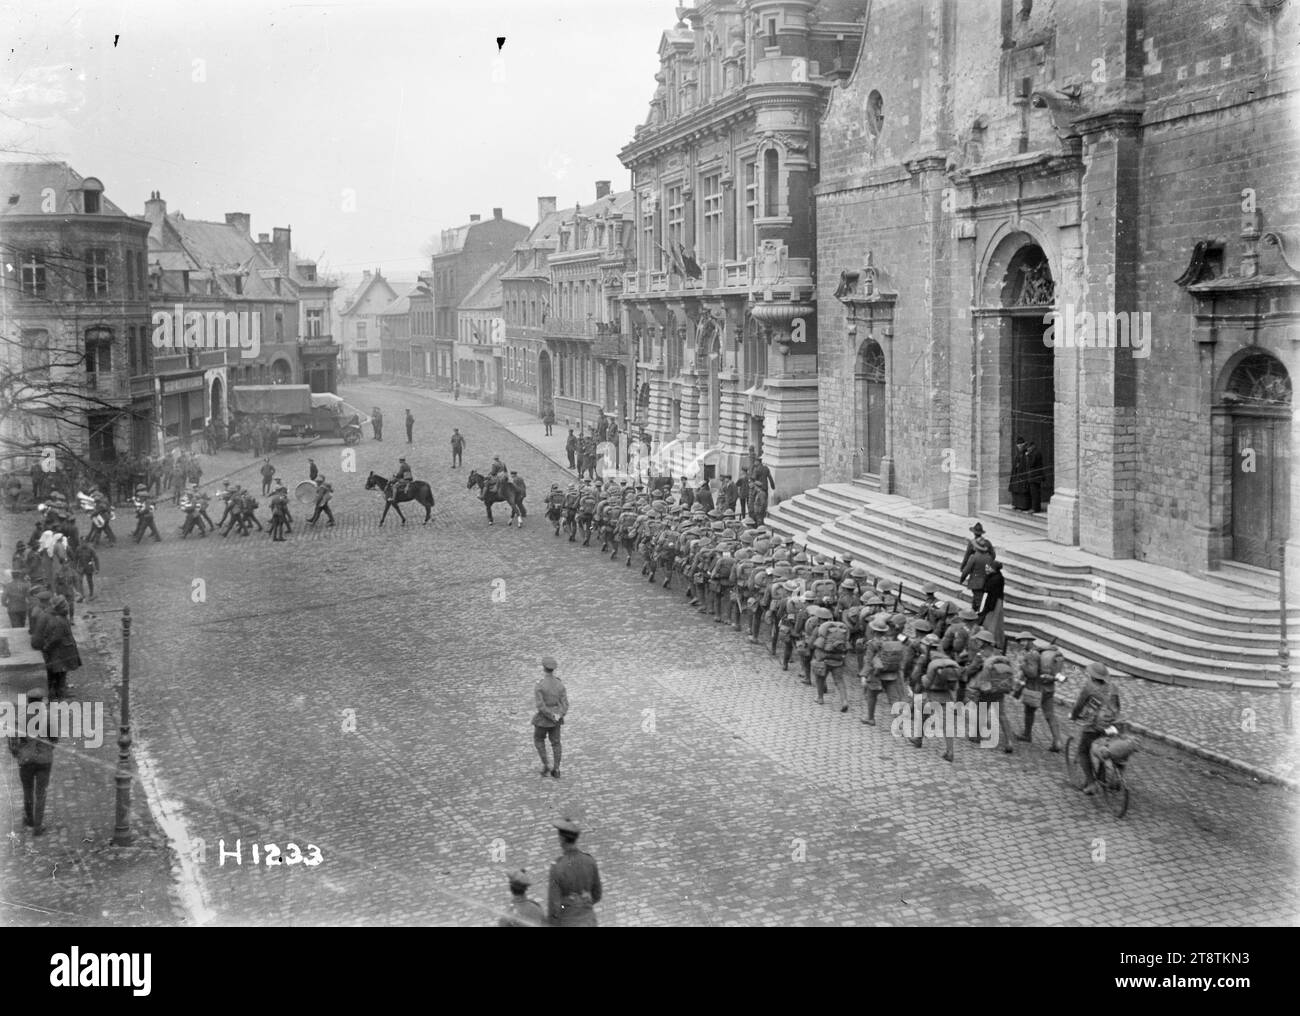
pixel 416 490
pixel 494 492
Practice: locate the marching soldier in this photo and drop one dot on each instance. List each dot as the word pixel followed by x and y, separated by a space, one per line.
pixel 144 510
pixel 575 881
pixel 323 494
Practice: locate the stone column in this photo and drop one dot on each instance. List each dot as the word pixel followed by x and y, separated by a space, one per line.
pixel 1108 404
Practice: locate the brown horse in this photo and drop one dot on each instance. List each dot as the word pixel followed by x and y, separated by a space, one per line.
pixel 493 492
pixel 416 490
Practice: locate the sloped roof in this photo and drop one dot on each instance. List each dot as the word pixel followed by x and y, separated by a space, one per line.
pixel 402 305
pixel 542 237
pixel 363 287
pixel 22 187
pixel 486 294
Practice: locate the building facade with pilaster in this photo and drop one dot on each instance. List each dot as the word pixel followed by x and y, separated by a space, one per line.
pixel 525 297
pixel 1075 224
pixel 721 304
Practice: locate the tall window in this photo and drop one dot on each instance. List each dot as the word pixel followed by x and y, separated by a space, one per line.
pixel 676 208
pixel 771 182
pixel 99 351
pixel 745 242
pixel 33 277
pixel 315 322
pixel 361 330
pixel 649 252
pixel 97 273
pixel 713 218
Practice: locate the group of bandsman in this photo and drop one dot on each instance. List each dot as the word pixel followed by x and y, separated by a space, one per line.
pixel 827 614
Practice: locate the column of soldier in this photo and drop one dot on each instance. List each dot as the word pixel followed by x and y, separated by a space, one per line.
pixel 827 613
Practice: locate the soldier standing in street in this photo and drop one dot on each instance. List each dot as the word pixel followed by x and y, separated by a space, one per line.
pixel 267 471
pixel 552 706
pixel 410 426
pixel 312 471
pixel 377 422
pixel 571 448
pixel 523 912
pixel 575 881
pixel 457 446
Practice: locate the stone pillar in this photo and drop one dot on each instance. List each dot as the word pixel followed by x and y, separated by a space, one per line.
pixel 1108 454
pixel 790 438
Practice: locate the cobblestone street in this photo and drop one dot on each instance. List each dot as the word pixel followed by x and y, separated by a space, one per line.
pixel 712 788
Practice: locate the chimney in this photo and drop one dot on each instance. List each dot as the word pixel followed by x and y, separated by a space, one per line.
pixel 155 210
pixel 545 207
pixel 280 245
pixel 602 189
pixel 242 221
pixel 365 275
pixel 263 238
pixel 475 218
pixel 496 213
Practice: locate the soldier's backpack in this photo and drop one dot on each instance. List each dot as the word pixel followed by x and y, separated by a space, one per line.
pixel 823 588
pixel 741 572
pixel 762 544
pixel 626 520
pixel 1050 662
pixel 889 658
pixel 835 641
pixel 1001 674
pixel 941 675
pixel 571 499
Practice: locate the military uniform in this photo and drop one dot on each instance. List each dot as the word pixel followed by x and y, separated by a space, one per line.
pixel 521 912
pixel 552 701
pixel 575 882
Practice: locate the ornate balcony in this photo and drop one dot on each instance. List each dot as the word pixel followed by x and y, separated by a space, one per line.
pixel 569 328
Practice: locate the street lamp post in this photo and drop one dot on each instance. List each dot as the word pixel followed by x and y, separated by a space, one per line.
pixel 122 830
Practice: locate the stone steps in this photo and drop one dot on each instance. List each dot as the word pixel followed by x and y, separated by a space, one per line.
pixel 1141 619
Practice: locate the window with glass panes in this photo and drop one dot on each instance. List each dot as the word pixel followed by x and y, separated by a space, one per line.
pixel 745 242
pixel 676 207
pixel 713 218
pixel 97 273
pixel 33 280
pixel 649 252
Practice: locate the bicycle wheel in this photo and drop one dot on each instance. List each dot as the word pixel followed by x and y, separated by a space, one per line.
pixel 1116 792
pixel 1074 774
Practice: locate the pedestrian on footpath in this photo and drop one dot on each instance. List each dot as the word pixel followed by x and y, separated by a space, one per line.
pixel 455 390
pixel 552 702
pixel 55 641
pixel 87 565
pixel 377 422
pixel 457 447
pixel 549 421
pixel 571 448
pixel 323 494
pixel 522 912
pixel 35 758
pixel 410 426
pixel 990 617
pixel 15 596
pixel 575 881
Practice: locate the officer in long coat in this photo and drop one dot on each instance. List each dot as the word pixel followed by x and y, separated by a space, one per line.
pixel 575 881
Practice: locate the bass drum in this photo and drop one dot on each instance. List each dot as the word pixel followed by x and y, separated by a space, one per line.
pixel 305 492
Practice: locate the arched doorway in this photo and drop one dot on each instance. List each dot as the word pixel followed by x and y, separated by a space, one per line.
pixel 869 391
pixel 281 373
pixel 1029 370
pixel 1258 400
pixel 545 392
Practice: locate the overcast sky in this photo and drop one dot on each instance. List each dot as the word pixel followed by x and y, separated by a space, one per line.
pixel 285 110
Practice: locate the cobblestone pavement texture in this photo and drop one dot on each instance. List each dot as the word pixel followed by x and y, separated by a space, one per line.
pixel 714 791
pixel 1242 725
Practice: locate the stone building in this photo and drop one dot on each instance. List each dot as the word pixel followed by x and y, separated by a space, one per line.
pixel 359 325
pixel 1073 223
pixel 720 305
pixel 395 337
pixel 590 352
pixel 480 346
pixel 525 296
pixel 464 254
pixel 200 267
pixel 75 315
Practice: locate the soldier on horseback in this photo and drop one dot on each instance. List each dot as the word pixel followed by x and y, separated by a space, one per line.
pixel 401 481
